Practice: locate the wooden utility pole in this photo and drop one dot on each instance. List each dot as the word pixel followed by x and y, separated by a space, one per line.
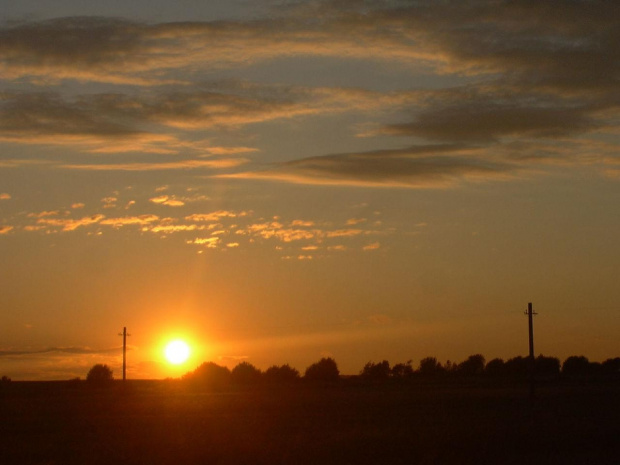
pixel 124 334
pixel 532 361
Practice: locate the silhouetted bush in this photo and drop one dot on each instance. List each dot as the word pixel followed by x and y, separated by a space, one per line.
pixel 209 375
pixel 429 366
pixel 474 365
pixel 99 375
pixel 5 380
pixel 402 370
pixel 376 371
pixel 325 370
pixel 245 374
pixel 281 374
pixel 495 367
pixel 576 365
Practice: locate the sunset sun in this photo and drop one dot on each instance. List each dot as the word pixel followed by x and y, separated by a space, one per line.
pixel 177 352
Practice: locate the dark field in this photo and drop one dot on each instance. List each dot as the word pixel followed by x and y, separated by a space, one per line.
pixel 162 423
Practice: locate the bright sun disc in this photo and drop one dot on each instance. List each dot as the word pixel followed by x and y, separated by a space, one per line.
pixel 176 352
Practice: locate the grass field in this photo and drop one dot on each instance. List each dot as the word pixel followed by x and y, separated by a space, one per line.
pixel 164 423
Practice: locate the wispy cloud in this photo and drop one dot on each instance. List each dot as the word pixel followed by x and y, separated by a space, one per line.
pixel 175 165
pixel 70 224
pixel 417 167
pixel 61 350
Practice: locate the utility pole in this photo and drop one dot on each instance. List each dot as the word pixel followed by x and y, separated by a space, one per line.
pixel 124 334
pixel 530 314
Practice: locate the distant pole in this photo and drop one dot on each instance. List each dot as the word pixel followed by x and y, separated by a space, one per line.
pixel 530 320
pixel 124 334
pixel 530 313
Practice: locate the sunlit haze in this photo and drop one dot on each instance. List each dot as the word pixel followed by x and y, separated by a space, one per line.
pixel 278 181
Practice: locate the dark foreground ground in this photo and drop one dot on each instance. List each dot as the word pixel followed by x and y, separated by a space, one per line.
pixel 161 423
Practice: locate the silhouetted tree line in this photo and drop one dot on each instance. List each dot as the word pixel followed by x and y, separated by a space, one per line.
pixel 476 365
pixel 325 371
pixel 212 376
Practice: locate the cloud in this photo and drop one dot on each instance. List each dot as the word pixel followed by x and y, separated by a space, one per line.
pixel 5 229
pixel 415 167
pixel 129 220
pixel 209 242
pixel 344 233
pixel 70 224
pixel 176 165
pixel 531 40
pixel 170 201
pixel 532 84
pixel 125 121
pixel 483 121
pixel 61 350
pixel 302 223
pixel 44 214
pixel 215 216
pixel 5 196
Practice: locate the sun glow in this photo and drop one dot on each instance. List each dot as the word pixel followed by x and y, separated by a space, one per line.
pixel 177 352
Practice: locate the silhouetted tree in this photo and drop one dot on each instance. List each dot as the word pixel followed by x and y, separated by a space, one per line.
pixel 516 367
pixel 450 367
pixel 376 371
pixel 402 370
pixel 576 365
pixel 325 370
pixel 546 366
pixel 611 366
pixel 245 374
pixel 99 374
pixel 281 374
pixel 495 367
pixel 5 380
pixel 429 366
pixel 209 375
pixel 474 365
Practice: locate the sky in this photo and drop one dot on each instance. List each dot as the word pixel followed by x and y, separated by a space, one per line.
pixel 279 181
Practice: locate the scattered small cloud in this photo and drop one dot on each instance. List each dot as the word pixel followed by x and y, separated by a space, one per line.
pixel 344 233
pixel 5 196
pixel 70 224
pixel 373 246
pixel 209 242
pixel 302 223
pixel 129 220
pixel 44 214
pixel 167 200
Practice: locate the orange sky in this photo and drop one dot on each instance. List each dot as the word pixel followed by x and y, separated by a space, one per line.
pixel 285 181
